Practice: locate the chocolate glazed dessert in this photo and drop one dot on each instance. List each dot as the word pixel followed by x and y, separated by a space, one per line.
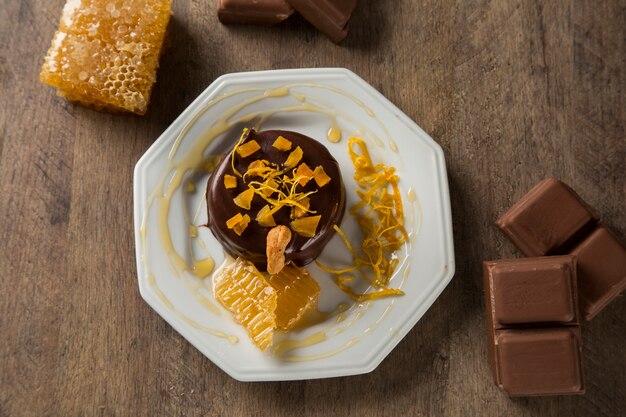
pixel 326 201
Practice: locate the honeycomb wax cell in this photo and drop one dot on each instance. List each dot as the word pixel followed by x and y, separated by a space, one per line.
pixel 297 293
pixel 105 54
pixel 243 290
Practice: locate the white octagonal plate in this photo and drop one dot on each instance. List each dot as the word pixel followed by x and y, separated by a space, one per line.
pixel 175 253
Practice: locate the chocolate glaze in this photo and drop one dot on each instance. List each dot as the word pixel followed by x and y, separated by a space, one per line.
pixel 329 201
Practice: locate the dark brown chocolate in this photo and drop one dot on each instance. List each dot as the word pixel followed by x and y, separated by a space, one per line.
pixel 532 362
pixel 329 16
pixel 548 220
pixel 260 12
pixel 328 201
pixel 601 261
pixel 529 291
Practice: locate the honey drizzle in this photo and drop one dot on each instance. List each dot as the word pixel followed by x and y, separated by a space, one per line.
pixel 416 207
pixel 315 357
pixel 232 339
pixel 152 281
pixel 334 134
pixel 316 316
pixel 291 344
pixel 208 304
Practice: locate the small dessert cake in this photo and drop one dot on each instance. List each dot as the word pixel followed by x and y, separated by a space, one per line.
pixel 106 53
pixel 275 198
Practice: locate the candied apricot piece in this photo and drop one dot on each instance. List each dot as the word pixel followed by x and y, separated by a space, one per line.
pixel 265 218
pixel 242 225
pixel 282 144
pixel 306 226
pixel 237 218
pixel 243 290
pixel 256 167
pixel 230 181
pixel 303 174
pixel 299 211
pixel 259 168
pixel 248 148
pixel 271 187
pixel 297 292
pixel 244 199
pixel 294 157
pixel 320 176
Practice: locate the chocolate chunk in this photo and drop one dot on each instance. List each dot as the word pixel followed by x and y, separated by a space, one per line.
pixel 529 291
pixel 551 219
pixel 548 220
pixel 329 16
pixel 539 361
pixel 526 299
pixel 601 261
pixel 261 12
pixel 327 201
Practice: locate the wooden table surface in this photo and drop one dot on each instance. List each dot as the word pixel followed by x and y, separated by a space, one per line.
pixel 514 91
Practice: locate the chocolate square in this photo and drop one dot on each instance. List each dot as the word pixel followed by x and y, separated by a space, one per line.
pixel 529 291
pixel 601 261
pixel 539 361
pixel 328 16
pixel 548 220
pixel 260 12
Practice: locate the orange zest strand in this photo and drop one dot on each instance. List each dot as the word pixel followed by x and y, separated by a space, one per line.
pixel 380 216
pixel 232 156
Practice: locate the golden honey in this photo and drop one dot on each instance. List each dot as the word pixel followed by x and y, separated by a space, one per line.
pixel 243 290
pixel 297 292
pixel 105 54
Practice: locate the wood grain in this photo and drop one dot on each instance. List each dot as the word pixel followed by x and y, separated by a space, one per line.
pixel 513 90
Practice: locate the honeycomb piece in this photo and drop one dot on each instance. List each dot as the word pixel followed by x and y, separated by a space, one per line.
pixel 106 53
pixel 243 290
pixel 297 292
